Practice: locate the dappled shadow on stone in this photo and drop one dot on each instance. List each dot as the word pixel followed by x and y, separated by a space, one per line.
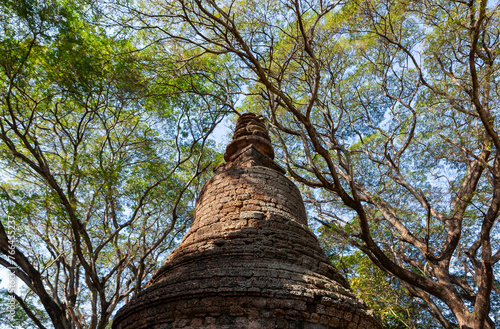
pixel 248 261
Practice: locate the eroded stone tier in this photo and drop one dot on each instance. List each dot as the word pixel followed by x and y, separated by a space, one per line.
pixel 249 260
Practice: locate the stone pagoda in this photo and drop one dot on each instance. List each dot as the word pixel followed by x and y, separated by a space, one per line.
pixel 249 259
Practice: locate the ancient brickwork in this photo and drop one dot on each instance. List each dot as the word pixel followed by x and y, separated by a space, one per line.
pixel 249 260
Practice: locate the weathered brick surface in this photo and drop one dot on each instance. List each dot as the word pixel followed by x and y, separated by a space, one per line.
pixel 249 259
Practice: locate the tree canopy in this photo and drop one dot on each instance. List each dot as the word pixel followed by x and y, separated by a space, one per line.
pixel 384 111
pixel 100 168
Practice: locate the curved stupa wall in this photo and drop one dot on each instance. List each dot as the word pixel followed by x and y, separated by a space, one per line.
pixel 249 260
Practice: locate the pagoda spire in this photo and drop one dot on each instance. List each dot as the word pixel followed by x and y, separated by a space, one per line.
pixel 251 145
pixel 249 259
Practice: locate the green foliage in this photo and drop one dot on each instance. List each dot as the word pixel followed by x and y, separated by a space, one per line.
pixel 102 154
pixel 389 107
pixel 374 286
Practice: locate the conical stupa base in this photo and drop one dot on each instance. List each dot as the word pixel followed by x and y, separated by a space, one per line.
pixel 249 259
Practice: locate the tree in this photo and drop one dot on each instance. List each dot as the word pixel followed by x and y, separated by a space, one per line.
pixel 389 109
pixel 102 154
pixel 386 295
